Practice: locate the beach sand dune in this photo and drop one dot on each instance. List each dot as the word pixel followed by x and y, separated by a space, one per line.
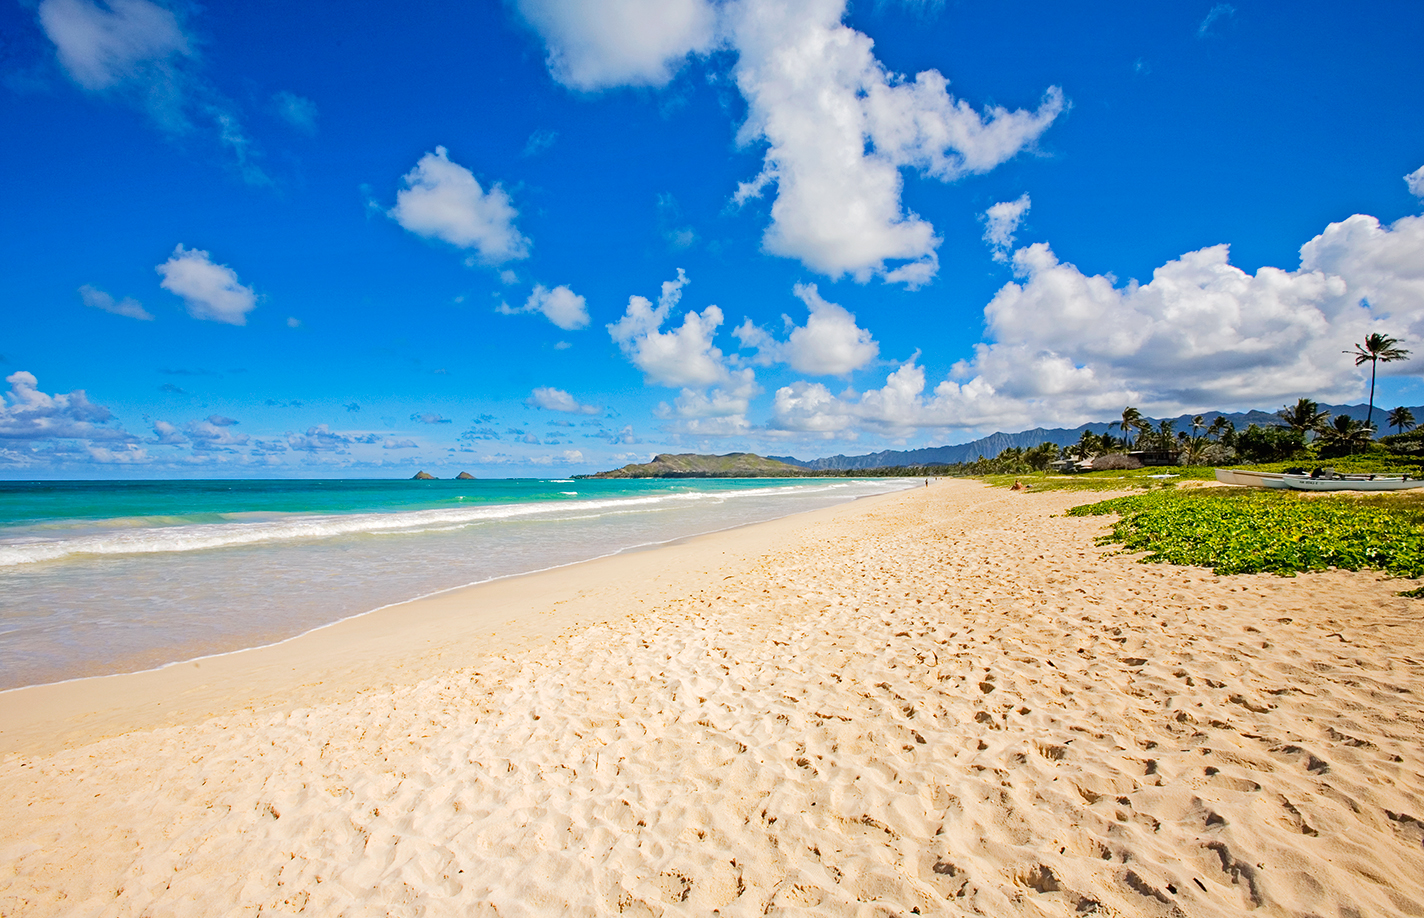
pixel 946 702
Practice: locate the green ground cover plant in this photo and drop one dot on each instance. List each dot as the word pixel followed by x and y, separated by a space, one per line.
pixel 1246 531
pixel 1117 480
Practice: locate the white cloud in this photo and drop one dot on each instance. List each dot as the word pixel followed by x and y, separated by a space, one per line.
pixel 1001 222
pixel 319 439
pixel 298 111
pixel 558 400
pixel 1220 11
pixel 26 413
pixel 129 454
pixel 829 344
pixel 597 44
pixel 840 127
pixel 209 291
pixel 400 444
pixel 131 45
pixel 442 200
pixel 167 434
pixel 682 356
pixel 719 412
pixel 138 51
pixel 1064 347
pixel 98 299
pixel 561 306
pixel 1415 182
pixel 213 435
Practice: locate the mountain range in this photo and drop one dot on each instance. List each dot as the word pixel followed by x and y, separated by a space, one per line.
pixel 995 443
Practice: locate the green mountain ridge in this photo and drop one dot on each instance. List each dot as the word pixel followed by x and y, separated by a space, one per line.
pixel 694 465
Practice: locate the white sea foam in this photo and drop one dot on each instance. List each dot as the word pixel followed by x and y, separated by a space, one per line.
pixel 151 539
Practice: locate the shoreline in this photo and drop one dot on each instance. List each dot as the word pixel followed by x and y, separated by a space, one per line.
pixel 944 700
pixel 211 602
pixel 51 715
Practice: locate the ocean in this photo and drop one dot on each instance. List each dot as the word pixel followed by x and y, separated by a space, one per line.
pixel 102 577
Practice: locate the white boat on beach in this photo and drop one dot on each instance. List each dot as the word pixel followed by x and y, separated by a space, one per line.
pixel 1251 479
pixel 1352 483
pixel 1328 482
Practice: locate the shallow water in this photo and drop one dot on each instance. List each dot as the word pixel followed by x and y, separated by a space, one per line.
pixel 103 577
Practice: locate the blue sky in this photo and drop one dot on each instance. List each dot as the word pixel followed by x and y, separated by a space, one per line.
pixel 539 237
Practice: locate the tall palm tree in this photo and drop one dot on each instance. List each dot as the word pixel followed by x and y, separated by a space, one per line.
pixel 1304 416
pixel 1131 420
pixel 1376 348
pixel 1401 418
pixel 1198 422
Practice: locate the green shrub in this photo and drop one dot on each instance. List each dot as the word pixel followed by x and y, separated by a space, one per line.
pixel 1269 444
pixel 1250 531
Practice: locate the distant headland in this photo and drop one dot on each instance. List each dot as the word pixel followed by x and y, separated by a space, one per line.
pixel 693 465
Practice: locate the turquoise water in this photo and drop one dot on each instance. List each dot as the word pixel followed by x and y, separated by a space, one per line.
pixel 103 577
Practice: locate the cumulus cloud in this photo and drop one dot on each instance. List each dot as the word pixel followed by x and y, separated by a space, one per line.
pixel 597 44
pixel 443 200
pixel 561 306
pixel 558 400
pixel 298 111
pixel 720 412
pixel 209 291
pixel 212 435
pixel 840 127
pixel 681 356
pixel 1065 347
pixel 319 439
pixel 1415 182
pixel 26 413
pixel 166 434
pixel 399 444
pixel 429 418
pixel 1001 222
pixel 829 344
pixel 98 299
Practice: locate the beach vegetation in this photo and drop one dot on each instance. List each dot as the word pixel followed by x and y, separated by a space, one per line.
pixel 1246 531
pixel 1269 444
pixel 1150 477
pixel 1345 436
pixel 1401 419
pixel 1305 416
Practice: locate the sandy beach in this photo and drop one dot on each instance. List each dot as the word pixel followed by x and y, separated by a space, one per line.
pixel 945 700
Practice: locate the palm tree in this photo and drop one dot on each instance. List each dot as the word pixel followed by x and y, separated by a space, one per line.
pixel 1164 434
pixel 1348 434
pixel 1304 416
pixel 1131 420
pixel 1376 348
pixel 1198 422
pixel 1401 418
